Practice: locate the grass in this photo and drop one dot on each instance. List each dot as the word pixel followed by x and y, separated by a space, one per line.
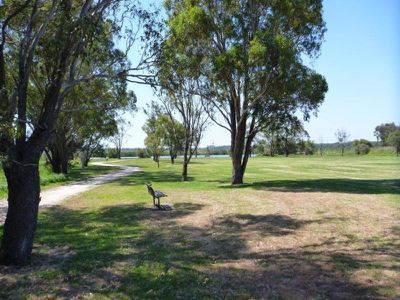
pixel 315 228
pixel 50 179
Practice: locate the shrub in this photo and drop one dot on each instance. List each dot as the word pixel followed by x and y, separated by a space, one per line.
pixel 112 153
pixel 362 147
pixel 141 153
pixel 306 147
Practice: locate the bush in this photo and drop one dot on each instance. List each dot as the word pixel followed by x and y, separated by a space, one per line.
pixel 112 153
pixel 362 147
pixel 306 147
pixel 141 153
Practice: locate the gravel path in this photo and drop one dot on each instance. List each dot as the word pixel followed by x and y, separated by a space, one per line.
pixel 55 196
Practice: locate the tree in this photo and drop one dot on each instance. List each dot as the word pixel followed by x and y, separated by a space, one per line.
pixel 83 129
pixel 119 137
pixel 154 140
pixel 383 131
pixel 173 135
pixel 290 134
pixel 188 106
pixel 362 146
pixel 342 138
pixel 246 58
pixel 163 132
pixel 394 140
pixel 260 147
pixel 307 147
pixel 321 145
pixel 55 38
pixel 284 134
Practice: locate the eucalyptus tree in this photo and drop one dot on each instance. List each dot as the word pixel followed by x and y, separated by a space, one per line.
pixel 247 60
pixel 173 134
pixel 342 137
pixel 181 100
pixel 394 140
pixel 56 38
pixel 120 135
pixel 154 140
pixel 383 131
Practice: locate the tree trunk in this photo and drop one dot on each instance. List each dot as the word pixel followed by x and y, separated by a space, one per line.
pixel 23 203
pixel 237 170
pixel 186 149
pixel 56 164
pixel 84 157
pixel 342 151
pixel 85 160
pixel 238 146
pixel 237 173
pixel 64 165
pixel 185 171
pixel 53 158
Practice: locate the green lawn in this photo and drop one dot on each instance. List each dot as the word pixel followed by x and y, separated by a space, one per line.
pixel 300 228
pixel 50 179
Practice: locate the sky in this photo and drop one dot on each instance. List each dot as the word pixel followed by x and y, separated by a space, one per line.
pixel 360 60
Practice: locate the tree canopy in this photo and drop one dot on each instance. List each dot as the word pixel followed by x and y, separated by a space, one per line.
pixel 247 59
pixel 48 49
pixel 383 131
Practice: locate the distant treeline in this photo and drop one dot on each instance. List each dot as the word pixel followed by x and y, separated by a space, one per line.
pixel 376 148
pixel 144 153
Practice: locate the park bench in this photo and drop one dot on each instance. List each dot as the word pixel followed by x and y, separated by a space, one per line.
pixel 155 194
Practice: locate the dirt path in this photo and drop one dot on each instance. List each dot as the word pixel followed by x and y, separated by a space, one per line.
pixel 55 196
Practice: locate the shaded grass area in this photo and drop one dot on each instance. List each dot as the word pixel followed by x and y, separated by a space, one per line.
pixel 50 179
pixel 283 236
pixel 112 237
pixel 342 185
pixel 115 252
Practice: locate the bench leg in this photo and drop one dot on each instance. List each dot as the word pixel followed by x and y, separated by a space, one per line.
pixel 158 201
pixel 154 201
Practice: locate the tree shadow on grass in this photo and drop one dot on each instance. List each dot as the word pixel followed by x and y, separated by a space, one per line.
pixel 129 251
pixel 341 185
pixel 142 178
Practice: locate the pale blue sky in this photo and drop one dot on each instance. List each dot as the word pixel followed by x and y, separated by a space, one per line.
pixel 360 59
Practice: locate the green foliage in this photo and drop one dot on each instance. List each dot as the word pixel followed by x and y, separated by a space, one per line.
pixel 306 147
pixel 246 59
pixel 142 153
pixel 285 137
pixel 112 153
pixel 362 146
pixel 50 179
pixel 163 133
pixel 394 140
pixel 383 131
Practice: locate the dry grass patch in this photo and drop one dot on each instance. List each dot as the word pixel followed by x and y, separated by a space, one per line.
pixel 294 242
